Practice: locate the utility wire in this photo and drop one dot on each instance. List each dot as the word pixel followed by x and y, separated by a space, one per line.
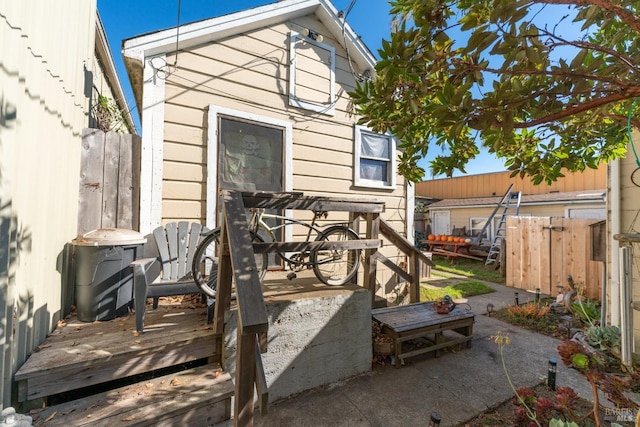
pixel 175 60
pixel 358 77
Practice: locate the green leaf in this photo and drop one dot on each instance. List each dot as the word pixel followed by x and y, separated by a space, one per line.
pixel 580 361
pixel 507 77
pixel 554 422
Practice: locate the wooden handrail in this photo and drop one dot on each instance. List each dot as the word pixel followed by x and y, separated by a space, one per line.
pixel 414 255
pixel 393 267
pixel 237 262
pixel 261 247
pixel 251 307
pixel 402 243
pixel 261 383
pixel 311 203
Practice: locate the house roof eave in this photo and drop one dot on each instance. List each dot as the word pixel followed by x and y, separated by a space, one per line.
pixel 104 53
pixel 569 198
pixel 136 49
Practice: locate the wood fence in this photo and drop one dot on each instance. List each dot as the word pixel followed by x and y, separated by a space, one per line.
pixel 109 181
pixel 542 251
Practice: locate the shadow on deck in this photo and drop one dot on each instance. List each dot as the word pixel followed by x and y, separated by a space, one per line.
pixel 104 372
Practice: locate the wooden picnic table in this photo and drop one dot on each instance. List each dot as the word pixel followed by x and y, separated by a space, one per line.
pixel 421 321
pixel 452 250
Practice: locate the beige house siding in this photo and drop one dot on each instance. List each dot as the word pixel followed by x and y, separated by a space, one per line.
pixel 322 145
pixel 322 156
pixel 629 222
pixel 45 47
pixel 249 75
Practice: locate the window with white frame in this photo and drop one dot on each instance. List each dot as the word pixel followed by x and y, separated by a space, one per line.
pixel 475 228
pixel 375 164
pixel 311 74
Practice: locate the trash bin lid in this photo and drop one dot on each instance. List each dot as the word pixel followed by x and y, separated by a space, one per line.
pixel 110 237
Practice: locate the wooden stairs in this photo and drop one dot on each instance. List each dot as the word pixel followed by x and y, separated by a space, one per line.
pixel 105 374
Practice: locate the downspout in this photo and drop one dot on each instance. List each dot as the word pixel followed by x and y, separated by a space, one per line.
pixel 614 203
pixel 410 211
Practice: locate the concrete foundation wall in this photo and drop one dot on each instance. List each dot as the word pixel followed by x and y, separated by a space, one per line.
pixel 312 341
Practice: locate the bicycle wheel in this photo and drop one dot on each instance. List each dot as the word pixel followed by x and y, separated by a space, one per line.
pixel 336 267
pixel 205 262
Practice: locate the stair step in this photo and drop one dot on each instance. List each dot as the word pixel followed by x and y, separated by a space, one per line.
pixel 198 396
pixel 79 354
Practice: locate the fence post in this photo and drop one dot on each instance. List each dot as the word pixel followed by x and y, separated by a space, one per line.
pixel 109 188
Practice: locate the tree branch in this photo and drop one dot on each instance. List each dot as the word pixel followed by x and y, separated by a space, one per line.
pixel 572 75
pixel 570 111
pixel 624 119
pixel 591 46
pixel 632 20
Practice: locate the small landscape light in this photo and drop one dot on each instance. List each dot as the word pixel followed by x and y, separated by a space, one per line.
pixel 435 420
pixel 490 309
pixel 551 378
pixel 537 295
pixel 516 298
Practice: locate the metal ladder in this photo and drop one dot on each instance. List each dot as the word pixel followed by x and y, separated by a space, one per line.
pixel 511 200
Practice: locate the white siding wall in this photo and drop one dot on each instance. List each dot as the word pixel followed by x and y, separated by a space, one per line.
pixel 460 216
pixel 630 223
pixel 44 47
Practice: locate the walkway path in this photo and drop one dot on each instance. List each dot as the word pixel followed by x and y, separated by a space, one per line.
pixel 457 385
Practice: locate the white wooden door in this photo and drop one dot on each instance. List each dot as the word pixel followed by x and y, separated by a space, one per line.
pixel 441 221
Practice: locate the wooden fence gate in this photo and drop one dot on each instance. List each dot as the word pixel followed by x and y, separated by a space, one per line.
pixel 542 251
pixel 109 181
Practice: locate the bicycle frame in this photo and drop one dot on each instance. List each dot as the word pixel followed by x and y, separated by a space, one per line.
pixel 295 260
pixel 334 267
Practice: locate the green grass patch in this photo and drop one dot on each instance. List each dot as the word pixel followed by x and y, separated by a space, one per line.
pixel 468 268
pixel 460 290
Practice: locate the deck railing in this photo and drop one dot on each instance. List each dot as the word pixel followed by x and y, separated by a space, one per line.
pixel 413 254
pixel 237 262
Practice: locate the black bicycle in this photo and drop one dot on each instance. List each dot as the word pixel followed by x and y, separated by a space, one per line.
pixel 330 266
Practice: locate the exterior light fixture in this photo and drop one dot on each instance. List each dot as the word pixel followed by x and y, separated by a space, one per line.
pixel 516 298
pixel 551 378
pixel 312 35
pixel 537 295
pixel 490 309
pixel 435 420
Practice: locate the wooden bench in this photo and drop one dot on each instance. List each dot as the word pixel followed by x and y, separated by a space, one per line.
pixel 414 321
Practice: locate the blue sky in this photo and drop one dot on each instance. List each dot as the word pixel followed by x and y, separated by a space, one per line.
pixel 123 19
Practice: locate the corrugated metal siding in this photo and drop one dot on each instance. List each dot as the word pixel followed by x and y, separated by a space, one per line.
pixel 496 184
pixel 44 47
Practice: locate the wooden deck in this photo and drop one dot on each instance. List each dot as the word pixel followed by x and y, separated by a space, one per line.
pixel 178 326
pixel 79 354
pixel 92 371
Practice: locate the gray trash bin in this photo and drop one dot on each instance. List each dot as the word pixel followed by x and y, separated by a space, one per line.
pixel 104 280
